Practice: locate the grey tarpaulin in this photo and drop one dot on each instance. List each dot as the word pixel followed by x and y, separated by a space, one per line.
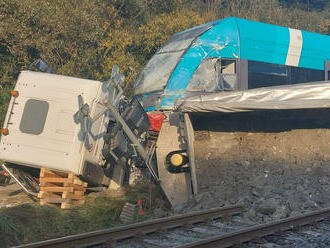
pixel 297 96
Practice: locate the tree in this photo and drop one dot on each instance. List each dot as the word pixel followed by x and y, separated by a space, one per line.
pixel 65 33
pixel 307 4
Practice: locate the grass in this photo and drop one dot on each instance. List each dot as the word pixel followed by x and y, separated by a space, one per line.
pixel 31 222
pixel 28 223
pixel 10 230
pixel 4 100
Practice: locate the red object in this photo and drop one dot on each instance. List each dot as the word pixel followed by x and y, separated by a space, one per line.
pixel 156 121
pixel 5 173
pixel 139 202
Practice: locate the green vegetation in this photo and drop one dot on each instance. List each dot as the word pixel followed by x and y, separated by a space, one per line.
pixel 85 38
pixel 30 223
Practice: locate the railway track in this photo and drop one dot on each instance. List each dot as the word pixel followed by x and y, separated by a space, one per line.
pixel 111 236
pixel 258 231
pixel 189 231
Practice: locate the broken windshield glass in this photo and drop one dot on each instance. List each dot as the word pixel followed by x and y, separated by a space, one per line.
pixel 214 75
pixel 160 67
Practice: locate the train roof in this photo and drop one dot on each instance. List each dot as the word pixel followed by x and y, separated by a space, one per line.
pixel 172 67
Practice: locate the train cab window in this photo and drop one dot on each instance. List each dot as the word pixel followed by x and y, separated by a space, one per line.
pixel 34 116
pixel 160 67
pixel 304 75
pixel 266 74
pixel 205 77
pixel 228 74
pixel 214 75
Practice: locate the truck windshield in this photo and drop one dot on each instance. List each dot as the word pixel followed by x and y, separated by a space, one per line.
pixel 160 67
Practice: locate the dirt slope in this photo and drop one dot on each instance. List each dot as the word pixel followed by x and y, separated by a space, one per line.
pixel 12 195
pixel 276 172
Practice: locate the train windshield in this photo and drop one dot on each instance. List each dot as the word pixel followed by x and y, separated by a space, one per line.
pixel 160 67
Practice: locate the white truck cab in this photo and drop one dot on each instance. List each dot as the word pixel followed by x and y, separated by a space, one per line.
pixel 42 132
pixel 84 127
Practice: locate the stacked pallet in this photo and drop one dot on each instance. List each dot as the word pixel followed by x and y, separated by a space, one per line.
pixel 61 189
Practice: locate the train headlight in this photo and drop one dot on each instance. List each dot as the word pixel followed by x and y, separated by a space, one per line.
pixel 177 159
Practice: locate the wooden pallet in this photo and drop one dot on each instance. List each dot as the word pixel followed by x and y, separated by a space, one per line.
pixel 61 189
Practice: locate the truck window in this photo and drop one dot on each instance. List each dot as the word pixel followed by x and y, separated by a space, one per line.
pixel 34 116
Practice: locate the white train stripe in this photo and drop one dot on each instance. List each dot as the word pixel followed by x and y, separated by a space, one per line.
pixel 295 46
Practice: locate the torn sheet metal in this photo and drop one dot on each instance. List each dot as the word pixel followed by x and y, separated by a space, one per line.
pixel 298 96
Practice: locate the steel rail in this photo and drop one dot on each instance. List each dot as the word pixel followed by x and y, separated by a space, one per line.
pixel 110 236
pixel 258 231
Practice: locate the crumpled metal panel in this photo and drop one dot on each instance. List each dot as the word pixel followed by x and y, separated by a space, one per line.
pixel 222 40
pixel 298 96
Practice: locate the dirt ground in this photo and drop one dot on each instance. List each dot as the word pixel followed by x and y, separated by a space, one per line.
pixel 12 195
pixel 274 171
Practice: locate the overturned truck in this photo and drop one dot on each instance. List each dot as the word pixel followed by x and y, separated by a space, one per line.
pixel 230 76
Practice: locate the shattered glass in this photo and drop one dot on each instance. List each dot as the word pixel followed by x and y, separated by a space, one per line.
pixel 208 76
pixel 228 72
pixel 158 70
pixel 205 77
pixel 229 82
pixel 183 40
